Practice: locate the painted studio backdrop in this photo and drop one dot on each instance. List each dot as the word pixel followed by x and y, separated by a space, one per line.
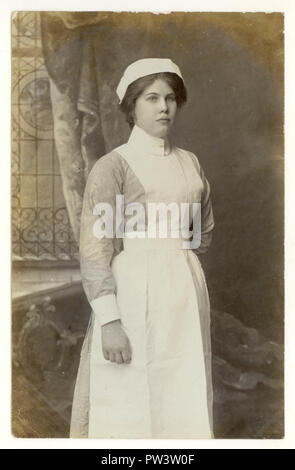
pixel 65 69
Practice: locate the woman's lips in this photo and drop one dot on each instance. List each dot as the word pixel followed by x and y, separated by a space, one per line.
pixel 163 120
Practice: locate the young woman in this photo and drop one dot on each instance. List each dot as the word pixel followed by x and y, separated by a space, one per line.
pixel 145 368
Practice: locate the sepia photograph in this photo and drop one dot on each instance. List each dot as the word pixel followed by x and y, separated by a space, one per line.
pixel 147 225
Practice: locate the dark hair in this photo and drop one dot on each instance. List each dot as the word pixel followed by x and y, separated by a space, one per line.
pixel 135 89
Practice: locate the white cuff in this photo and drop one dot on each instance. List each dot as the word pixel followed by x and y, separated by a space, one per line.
pixel 105 308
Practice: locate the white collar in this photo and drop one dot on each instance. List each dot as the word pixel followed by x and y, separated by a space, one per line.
pixel 148 144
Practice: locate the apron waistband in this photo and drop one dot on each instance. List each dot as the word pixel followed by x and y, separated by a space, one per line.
pixel 154 244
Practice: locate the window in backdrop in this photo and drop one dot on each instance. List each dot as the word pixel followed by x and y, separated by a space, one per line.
pixel 40 224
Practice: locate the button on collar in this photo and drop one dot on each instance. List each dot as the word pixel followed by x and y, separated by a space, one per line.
pixel 148 144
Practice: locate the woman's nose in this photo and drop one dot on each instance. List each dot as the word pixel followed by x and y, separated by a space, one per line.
pixel 163 105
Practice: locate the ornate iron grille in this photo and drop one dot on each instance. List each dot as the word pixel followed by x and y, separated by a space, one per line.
pixel 40 223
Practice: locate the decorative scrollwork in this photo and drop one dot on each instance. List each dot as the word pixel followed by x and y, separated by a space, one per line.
pixel 29 225
pixel 62 226
pixel 44 233
pixel 46 220
pixel 26 26
pixel 38 329
pixel 35 104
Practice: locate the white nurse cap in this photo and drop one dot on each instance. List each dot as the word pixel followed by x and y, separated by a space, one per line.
pixel 143 67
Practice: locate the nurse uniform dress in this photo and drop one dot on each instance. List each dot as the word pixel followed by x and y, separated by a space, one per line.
pixel 158 290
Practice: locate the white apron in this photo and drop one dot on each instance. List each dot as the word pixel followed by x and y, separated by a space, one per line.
pixel 162 393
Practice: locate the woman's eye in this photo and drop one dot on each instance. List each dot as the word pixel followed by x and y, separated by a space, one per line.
pixel 171 98
pixel 152 98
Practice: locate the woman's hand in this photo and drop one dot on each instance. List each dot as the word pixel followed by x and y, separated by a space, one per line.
pixel 115 343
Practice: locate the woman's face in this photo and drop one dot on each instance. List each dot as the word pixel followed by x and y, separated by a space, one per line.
pixel 155 109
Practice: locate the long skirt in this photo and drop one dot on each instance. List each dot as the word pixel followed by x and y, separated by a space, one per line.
pixel 166 390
